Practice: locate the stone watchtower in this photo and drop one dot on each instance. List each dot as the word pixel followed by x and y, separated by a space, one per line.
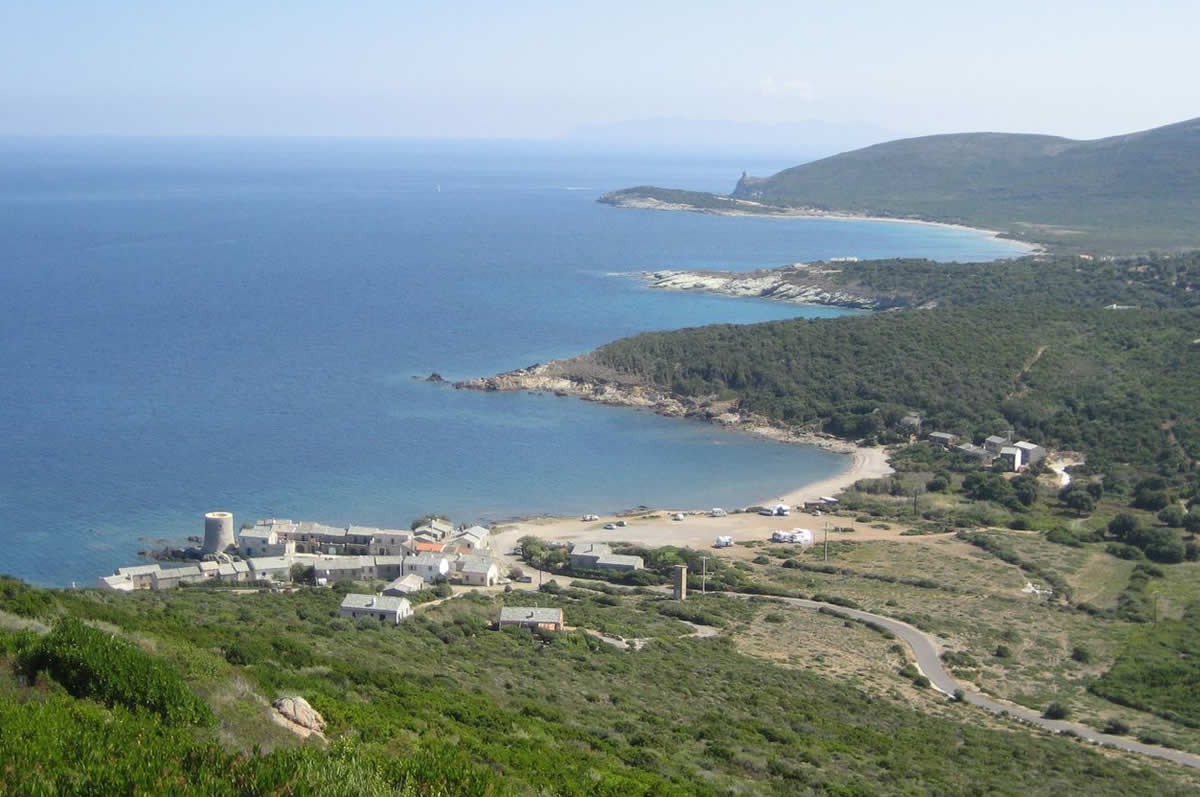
pixel 679 584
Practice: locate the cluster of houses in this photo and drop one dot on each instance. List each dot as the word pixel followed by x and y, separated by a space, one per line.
pixel 1015 455
pixel 393 609
pixel 408 560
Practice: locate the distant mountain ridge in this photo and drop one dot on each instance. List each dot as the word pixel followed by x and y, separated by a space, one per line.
pixel 1123 193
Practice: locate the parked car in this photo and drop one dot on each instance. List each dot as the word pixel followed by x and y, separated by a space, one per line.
pixel 588 518
pixel 677 516
pixel 609 526
pixel 526 579
pixel 621 523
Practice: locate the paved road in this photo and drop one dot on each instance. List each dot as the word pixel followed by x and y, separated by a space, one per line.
pixel 925 650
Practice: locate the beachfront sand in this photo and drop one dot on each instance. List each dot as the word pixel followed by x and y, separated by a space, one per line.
pixel 655 528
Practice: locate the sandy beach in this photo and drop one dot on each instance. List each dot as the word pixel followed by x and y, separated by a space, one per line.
pixel 750 208
pixel 655 527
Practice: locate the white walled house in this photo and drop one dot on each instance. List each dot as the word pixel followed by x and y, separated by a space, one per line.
pixel 381 607
pixel 479 571
pixel 431 567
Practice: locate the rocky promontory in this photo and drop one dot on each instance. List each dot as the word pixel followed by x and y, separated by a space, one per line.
pixel 798 283
pixel 585 378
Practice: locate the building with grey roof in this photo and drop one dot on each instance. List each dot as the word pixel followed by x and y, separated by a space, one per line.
pixel 1031 453
pixel 271 568
pixel 478 571
pixel 432 567
pixel 995 442
pixel 405 585
pixel 389 566
pixel 943 439
pixel 598 556
pixel 169 578
pixel 531 617
pixel 382 607
pixel 140 576
pixel 1013 456
pixel 343 568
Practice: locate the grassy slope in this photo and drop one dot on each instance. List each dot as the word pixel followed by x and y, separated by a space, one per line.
pixel 508 712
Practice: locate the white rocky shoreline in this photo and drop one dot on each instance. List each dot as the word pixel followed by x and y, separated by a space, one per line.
pixel 798 283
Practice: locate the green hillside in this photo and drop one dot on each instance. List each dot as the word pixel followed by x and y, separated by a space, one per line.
pixel 1096 355
pixel 1134 192
pixel 443 705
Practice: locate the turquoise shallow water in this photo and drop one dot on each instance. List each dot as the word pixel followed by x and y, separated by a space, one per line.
pixel 190 325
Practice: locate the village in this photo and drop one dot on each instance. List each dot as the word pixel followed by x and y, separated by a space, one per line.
pixel 277 552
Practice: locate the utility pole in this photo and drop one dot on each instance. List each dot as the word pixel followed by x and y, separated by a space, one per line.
pixel 703 573
pixel 826 540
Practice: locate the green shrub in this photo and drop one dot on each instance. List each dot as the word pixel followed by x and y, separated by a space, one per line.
pixel 1056 711
pixel 91 663
pixel 1116 727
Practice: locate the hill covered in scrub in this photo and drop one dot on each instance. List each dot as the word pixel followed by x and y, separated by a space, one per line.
pixel 442 704
pixel 1127 193
pixel 1120 385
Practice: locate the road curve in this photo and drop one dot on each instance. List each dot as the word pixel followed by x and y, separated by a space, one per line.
pixel 925 650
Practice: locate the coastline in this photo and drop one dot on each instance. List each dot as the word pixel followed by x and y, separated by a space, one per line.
pixel 747 207
pixel 580 377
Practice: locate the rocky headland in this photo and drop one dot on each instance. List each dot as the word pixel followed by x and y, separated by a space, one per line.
pixel 798 283
pixel 583 377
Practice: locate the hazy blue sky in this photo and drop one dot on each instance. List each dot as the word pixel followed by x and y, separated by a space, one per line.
pixel 532 69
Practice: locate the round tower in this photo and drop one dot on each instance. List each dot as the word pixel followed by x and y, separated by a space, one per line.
pixel 218 531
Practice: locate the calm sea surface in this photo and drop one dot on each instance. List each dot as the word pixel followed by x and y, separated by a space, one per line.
pixel 188 325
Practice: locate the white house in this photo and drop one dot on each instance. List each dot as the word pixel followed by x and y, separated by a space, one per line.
pixel 383 607
pixel 1031 453
pixel 141 576
pixel 388 542
pixel 263 540
pixel 115 582
pixel 430 566
pixel 405 585
pixel 479 571
pixel 1014 455
pixel 474 538
pixel 436 528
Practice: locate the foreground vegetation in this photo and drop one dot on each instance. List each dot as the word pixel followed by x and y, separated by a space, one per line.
pixel 442 704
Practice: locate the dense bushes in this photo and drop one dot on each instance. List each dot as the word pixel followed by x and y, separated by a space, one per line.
pixel 20 598
pixel 1110 384
pixel 1158 670
pixel 59 746
pixel 102 666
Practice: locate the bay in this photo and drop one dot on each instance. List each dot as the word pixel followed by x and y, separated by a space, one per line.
pixel 198 324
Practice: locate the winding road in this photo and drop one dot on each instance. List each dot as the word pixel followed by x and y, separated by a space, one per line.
pixel 930 665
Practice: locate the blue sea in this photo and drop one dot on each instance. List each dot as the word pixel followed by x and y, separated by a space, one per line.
pixel 192 324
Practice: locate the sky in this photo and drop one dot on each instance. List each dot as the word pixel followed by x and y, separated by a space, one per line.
pixel 518 69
